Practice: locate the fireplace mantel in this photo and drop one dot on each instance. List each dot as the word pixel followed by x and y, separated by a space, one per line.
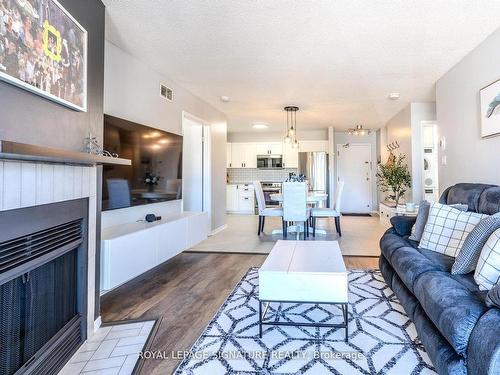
pixel 25 152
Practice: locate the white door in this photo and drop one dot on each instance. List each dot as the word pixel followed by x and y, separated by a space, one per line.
pixel 354 162
pixel 192 166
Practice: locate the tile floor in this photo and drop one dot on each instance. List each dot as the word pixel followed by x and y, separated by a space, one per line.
pixel 360 235
pixel 113 350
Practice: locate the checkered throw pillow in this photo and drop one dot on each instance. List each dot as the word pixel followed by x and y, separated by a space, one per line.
pixel 488 266
pixel 447 228
pixel 468 256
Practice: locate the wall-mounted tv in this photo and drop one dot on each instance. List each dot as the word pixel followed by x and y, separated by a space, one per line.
pixel 156 171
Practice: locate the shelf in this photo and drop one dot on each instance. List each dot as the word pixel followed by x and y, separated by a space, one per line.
pixel 21 151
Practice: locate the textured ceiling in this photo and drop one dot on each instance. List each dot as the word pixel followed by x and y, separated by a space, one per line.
pixel 338 60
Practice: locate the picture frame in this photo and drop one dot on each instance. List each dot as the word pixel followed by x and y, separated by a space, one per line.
pixel 43 49
pixel 490 109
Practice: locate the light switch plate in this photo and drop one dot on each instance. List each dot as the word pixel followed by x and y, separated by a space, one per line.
pixel 442 143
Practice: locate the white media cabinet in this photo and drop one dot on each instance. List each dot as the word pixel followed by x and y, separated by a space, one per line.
pixel 130 249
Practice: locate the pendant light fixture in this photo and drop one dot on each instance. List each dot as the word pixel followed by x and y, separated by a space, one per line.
pixel 291 125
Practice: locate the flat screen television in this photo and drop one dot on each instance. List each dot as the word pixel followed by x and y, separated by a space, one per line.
pixel 156 171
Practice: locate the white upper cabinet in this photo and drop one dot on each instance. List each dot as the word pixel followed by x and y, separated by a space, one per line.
pixel 290 156
pixel 229 155
pixel 243 155
pixel 274 148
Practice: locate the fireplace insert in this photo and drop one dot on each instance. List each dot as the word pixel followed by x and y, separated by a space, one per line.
pixel 43 286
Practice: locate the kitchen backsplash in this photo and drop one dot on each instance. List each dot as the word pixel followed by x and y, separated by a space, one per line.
pixel 254 174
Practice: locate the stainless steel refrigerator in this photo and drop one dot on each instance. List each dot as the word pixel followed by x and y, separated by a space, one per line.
pixel 314 165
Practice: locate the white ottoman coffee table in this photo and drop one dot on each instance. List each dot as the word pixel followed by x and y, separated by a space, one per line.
pixel 303 272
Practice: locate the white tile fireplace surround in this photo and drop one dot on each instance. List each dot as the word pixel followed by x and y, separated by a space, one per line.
pixel 26 184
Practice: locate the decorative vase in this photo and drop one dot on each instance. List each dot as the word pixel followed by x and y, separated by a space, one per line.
pixel 151 188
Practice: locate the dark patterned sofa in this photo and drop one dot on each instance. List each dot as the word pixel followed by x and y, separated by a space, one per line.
pixel 460 333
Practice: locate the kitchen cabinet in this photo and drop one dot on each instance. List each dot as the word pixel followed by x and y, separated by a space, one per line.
pixel 290 156
pixel 274 148
pixel 228 155
pixel 231 198
pixel 240 199
pixel 243 155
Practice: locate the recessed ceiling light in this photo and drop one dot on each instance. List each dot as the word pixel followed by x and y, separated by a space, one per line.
pixel 394 95
pixel 259 126
pixel 225 99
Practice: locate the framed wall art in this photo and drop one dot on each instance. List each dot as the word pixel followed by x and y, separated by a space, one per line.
pixel 43 49
pixel 490 109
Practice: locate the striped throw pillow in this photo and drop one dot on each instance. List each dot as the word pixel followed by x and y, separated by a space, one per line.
pixel 447 228
pixel 488 266
pixel 468 256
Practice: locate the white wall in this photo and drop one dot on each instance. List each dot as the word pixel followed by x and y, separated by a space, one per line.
pixel 268 136
pixel 131 91
pixel 469 157
pixel 405 128
pixel 371 139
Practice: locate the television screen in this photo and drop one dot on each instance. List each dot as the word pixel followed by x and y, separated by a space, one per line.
pixel 156 171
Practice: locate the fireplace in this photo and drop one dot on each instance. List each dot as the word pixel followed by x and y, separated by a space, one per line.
pixel 43 286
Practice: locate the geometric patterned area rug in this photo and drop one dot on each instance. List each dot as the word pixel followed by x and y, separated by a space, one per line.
pixel 382 339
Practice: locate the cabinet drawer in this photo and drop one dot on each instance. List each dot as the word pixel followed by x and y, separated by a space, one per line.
pixel 246 204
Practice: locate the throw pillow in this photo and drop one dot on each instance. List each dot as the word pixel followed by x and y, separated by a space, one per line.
pixel 402 224
pixel 447 228
pixel 423 215
pixel 469 253
pixel 493 296
pixel 488 266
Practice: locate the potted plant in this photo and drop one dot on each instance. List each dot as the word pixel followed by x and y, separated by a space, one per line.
pixel 395 178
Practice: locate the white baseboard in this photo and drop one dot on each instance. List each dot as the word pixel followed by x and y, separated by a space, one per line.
pixel 97 323
pixel 217 230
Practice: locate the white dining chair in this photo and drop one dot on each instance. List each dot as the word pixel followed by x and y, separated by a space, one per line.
pixel 295 207
pixel 330 212
pixel 263 210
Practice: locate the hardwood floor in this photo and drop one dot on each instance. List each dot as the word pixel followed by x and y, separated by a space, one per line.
pixel 185 292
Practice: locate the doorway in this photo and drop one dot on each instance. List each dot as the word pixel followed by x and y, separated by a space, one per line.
pixel 196 164
pixel 354 167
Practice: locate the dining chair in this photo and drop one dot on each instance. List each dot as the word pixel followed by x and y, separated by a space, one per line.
pixel 118 193
pixel 295 207
pixel 330 212
pixel 263 210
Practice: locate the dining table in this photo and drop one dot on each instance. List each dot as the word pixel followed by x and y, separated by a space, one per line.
pixel 312 198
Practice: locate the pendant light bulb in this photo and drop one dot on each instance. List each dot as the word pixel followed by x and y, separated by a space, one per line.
pixel 288 139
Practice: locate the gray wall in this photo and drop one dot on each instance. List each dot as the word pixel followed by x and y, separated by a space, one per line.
pixel 131 91
pixel 469 157
pixel 405 128
pixel 29 118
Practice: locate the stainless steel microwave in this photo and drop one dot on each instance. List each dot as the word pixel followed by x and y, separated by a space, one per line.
pixel 270 161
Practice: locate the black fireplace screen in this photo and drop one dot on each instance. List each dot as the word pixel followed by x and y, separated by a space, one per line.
pixel 42 289
pixel 33 308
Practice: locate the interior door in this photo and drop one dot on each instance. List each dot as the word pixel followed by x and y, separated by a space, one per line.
pixel 354 163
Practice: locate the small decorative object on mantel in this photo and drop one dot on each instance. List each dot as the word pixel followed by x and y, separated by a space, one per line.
pixel 92 147
pixel 151 180
pixel 490 109
pixel 293 177
pixel 394 178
